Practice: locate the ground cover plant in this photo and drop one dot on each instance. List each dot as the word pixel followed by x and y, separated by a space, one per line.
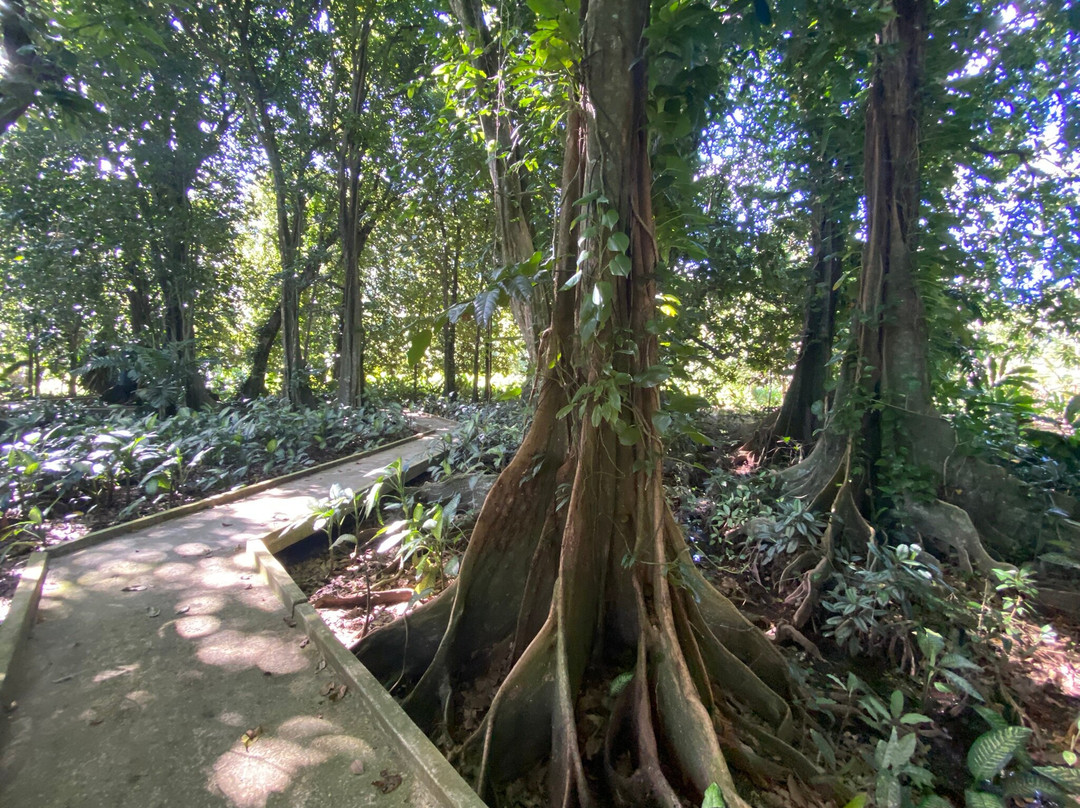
pixel 64 462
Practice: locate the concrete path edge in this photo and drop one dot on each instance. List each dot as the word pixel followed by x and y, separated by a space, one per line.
pixel 20 619
pixel 425 759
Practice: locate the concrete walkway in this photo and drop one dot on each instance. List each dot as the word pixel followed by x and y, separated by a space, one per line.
pixel 163 670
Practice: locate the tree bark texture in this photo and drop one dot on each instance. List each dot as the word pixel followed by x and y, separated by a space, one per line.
pixel 290 205
pixel 885 447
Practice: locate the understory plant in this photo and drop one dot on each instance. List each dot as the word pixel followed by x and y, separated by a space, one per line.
pixel 70 458
pixel 1004 775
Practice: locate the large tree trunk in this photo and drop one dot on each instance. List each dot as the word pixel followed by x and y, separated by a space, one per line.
pixel 563 592
pixel 885 449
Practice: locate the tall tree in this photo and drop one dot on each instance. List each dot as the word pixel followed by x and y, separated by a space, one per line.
pixel 278 59
pixel 500 122
pixel 576 565
pixel 886 449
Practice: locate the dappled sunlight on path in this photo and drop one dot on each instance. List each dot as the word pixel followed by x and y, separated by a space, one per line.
pixel 163 672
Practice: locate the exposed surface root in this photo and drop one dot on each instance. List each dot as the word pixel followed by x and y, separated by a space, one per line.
pixel 951 526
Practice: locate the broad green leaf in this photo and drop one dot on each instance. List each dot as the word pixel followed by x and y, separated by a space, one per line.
pixel 934 801
pixel 652 376
pixel 714 797
pixel 618 242
pixel 1066 777
pixel 991 717
pixel 916 718
pixel 980 799
pixel 858 801
pixel 962 684
pixel 888 793
pixel 420 340
pixel 629 434
pixel 896 704
pixel 620 265
pixel 35 517
pixel 484 306
pixel 930 643
pixel 619 683
pixel 992 751
pixel 958 662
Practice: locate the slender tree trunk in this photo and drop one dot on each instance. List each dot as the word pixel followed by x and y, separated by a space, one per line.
pixel 358 210
pixel 514 235
pixel 449 277
pixel 290 205
pixel 476 364
pixel 487 363
pixel 266 335
pixel 140 311
pixel 803 408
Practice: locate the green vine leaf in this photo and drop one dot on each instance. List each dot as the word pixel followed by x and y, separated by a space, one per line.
pixel 618 242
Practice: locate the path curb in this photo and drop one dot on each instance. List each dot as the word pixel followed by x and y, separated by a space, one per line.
pixel 105 534
pixel 20 619
pixel 442 778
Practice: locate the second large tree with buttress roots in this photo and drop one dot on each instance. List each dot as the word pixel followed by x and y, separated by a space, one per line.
pixel 576 567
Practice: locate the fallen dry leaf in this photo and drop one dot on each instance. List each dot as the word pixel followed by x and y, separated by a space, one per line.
pixel 183 610
pixel 249 737
pixel 321 665
pixel 334 691
pixel 388 782
pixel 134 588
pixel 357 766
pixel 304 642
pixel 152 611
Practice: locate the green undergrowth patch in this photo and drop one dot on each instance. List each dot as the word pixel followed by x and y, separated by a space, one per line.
pixel 72 461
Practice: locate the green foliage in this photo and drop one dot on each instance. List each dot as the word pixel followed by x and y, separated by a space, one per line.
pixel 65 458
pixel 872 602
pixel 422 536
pixel 1004 774
pixel 992 751
pixel 486 438
pixel 714 797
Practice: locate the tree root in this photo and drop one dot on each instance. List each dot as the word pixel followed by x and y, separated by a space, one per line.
pixel 951 526
pixel 381 598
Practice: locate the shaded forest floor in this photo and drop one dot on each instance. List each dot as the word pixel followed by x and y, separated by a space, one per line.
pixel 1002 657
pixel 938 655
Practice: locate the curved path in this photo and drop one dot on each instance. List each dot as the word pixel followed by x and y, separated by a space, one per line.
pixel 164 669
